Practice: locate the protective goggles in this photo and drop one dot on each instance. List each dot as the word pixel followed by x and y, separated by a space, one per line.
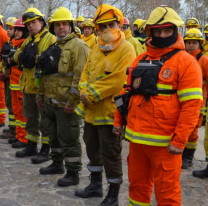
pixel 191 21
pixel 191 35
pixel 29 15
pixel 124 27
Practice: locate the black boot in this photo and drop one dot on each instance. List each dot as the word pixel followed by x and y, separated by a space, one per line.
pixel 18 144
pixel 29 150
pixel 184 153
pixel 12 140
pixel 57 167
pixel 188 160
pixel 201 173
pixel 111 198
pixel 71 178
pixel 95 188
pixel 43 155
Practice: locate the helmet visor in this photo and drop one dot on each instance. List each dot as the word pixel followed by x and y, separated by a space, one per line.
pixel 29 15
pixel 191 21
pixel 191 35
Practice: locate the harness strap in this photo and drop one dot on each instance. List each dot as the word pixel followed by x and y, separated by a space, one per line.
pixel 199 55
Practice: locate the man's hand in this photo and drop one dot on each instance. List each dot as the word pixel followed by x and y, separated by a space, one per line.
pixel 84 99
pixel 117 131
pixel 174 150
pixel 69 110
pixel 40 102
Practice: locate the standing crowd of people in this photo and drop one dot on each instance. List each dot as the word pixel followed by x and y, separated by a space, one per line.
pixel 149 88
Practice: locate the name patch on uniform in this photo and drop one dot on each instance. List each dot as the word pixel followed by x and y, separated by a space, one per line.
pixel 166 73
pixel 137 82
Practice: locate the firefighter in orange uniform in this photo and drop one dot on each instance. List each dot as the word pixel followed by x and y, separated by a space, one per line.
pixel 193 41
pixel 3 39
pixel 164 87
pixel 19 141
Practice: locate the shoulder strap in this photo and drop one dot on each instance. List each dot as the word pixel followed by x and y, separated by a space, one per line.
pixel 168 56
pixel 199 55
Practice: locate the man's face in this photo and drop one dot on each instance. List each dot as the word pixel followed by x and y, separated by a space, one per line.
pixel 206 34
pixel 62 28
pixel 110 25
pixel 34 26
pixel 192 45
pixel 163 32
pixel 79 24
pixel 87 30
pixel 10 31
pixel 135 27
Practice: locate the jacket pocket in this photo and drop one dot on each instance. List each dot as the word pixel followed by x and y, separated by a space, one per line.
pixel 171 174
pixel 63 89
pixel 64 62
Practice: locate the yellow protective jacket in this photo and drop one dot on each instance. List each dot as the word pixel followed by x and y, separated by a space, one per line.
pixel 136 44
pixel 90 40
pixel 63 86
pixel 102 79
pixel 205 46
pixel 27 79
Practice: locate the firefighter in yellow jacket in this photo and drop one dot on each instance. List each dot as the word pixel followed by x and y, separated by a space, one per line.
pixel 59 94
pixel 205 44
pixel 101 80
pixel 128 36
pixel 37 42
pixel 89 36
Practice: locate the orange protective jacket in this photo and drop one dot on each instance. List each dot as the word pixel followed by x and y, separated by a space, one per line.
pixel 15 73
pixel 3 37
pixel 166 118
pixel 203 62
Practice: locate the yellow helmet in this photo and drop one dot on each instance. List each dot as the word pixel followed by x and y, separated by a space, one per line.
pixel 192 22
pixel 50 19
pixel 206 29
pixel 107 13
pixel 193 34
pixel 62 14
pixel 78 31
pixel 1 17
pixel 80 18
pixel 162 16
pixel 137 22
pixel 11 21
pixel 88 22
pixel 31 14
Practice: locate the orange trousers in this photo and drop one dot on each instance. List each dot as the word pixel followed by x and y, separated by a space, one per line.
pixel 148 165
pixel 17 97
pixel 193 138
pixel 2 104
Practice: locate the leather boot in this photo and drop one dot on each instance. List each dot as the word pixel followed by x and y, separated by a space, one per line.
pixel 5 130
pixel 201 173
pixel 184 153
pixel 71 178
pixel 111 198
pixel 188 160
pixel 43 155
pixel 7 135
pixel 57 167
pixel 94 189
pixel 12 140
pixel 29 150
pixel 18 144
